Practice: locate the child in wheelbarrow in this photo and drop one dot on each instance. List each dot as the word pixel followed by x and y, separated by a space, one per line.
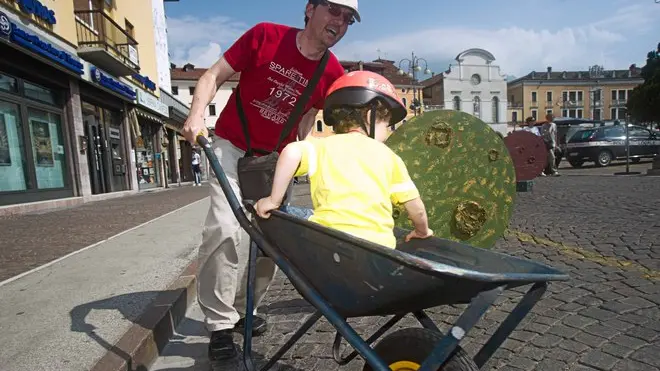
pixel 354 178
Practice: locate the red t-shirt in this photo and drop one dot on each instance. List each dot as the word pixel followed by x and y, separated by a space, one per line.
pixel 273 76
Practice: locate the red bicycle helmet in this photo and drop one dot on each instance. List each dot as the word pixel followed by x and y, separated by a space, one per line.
pixel 360 89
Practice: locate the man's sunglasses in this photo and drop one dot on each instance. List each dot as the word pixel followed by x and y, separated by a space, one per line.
pixel 336 11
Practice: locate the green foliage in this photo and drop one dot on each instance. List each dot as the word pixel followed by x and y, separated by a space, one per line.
pixel 644 101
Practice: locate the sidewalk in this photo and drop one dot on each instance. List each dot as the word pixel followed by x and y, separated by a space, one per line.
pixel 31 240
pixel 68 315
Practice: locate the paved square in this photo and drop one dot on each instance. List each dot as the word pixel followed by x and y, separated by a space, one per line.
pixel 602 230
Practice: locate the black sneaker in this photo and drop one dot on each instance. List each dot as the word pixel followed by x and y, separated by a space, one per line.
pixel 221 346
pixel 259 326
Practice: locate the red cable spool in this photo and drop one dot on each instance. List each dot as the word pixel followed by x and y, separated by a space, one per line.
pixel 528 153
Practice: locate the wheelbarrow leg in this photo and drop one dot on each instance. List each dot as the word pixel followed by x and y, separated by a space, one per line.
pixel 337 344
pixel 463 325
pixel 510 323
pixel 249 308
pixel 293 339
pixel 426 321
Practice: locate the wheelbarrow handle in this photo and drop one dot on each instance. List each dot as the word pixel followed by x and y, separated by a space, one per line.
pixel 234 204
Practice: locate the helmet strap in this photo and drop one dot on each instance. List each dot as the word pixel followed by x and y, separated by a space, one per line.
pixel 372 119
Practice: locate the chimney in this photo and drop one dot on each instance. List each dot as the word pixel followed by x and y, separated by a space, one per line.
pixel 631 69
pixel 360 65
pixel 549 72
pixel 533 74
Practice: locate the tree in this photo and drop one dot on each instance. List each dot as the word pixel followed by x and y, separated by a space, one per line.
pixel 644 101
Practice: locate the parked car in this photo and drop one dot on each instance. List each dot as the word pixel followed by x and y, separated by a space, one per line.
pixel 604 144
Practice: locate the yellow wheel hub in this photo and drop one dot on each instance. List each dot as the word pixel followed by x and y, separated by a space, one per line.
pixel 404 366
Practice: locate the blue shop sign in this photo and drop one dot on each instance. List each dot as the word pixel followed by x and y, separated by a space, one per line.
pixel 9 30
pixel 38 9
pixel 144 80
pixel 112 84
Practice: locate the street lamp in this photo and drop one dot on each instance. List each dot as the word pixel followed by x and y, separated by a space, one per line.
pixel 413 67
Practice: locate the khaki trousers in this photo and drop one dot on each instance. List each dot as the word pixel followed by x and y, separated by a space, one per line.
pixel 224 253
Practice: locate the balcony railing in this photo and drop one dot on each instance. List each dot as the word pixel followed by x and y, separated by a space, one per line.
pixel 514 105
pixel 434 107
pixel 97 31
pixel 619 102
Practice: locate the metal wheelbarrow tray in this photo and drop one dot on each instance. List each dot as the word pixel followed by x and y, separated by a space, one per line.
pixel 344 277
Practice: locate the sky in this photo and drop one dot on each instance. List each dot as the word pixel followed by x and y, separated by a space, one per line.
pixel 523 35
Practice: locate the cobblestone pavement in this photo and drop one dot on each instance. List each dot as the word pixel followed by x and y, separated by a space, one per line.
pixel 603 231
pixel 30 240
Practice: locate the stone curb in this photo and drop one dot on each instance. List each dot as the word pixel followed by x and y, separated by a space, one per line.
pixel 139 347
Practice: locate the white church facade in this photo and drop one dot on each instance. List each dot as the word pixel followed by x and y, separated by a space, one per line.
pixel 473 85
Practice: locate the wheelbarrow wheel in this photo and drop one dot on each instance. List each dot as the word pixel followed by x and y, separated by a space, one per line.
pixel 406 350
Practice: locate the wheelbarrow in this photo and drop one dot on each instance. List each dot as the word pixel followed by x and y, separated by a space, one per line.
pixel 346 277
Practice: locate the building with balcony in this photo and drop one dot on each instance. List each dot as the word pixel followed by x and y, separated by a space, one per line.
pixel 473 85
pixel 80 115
pixel 595 93
pixel 407 88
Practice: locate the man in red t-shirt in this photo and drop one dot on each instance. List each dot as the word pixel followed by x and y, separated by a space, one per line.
pixel 275 63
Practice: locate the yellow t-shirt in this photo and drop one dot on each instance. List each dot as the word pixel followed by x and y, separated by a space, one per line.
pixel 354 180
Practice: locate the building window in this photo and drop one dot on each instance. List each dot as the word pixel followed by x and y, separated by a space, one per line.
pixel 32 148
pixel 572 96
pixel 618 114
pixel 496 110
pixel 620 96
pixel 191 90
pixel 457 103
pixel 13 175
pixel 47 148
pixel 8 84
pixel 576 113
pixel 514 116
pixel 41 94
pixel 548 97
pixel 534 97
pixel 598 114
pixel 319 126
pixel 476 106
pixel 535 114
pixel 129 28
pixel 211 109
pixel 175 90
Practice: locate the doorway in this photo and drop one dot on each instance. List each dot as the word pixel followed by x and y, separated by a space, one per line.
pixel 96 152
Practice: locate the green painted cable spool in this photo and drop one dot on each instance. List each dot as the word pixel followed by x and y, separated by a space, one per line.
pixel 464 173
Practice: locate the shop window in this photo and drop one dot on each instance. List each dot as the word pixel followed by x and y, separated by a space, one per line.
pixel 13 176
pixel 41 94
pixel 47 148
pixel 8 84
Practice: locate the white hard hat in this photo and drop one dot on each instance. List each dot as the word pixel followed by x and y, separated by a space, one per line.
pixel 352 4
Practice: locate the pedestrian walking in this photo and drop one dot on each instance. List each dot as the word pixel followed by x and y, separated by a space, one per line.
pixel 197 169
pixel 276 63
pixel 549 135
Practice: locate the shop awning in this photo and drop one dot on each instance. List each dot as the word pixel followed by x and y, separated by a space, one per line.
pixel 148 116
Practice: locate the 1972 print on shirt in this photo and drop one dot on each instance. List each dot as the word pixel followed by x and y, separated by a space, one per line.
pixel 282 93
